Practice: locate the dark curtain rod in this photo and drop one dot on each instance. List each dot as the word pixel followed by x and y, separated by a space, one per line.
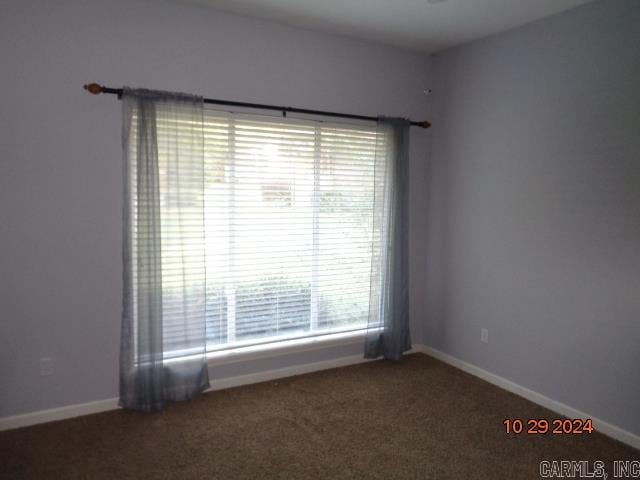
pixel 97 89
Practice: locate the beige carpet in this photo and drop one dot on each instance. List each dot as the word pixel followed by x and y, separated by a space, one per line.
pixel 418 419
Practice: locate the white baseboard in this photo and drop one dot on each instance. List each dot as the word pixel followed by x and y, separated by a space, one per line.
pixel 608 429
pixel 70 411
pixel 60 413
pixel 267 375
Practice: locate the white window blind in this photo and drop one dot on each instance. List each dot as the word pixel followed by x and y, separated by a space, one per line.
pixel 288 211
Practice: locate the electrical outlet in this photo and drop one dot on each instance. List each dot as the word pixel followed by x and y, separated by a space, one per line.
pixel 484 335
pixel 46 367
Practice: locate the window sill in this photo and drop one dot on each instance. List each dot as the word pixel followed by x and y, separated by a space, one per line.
pixel 256 352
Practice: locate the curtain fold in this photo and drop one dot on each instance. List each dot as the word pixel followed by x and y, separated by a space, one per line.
pixel 163 250
pixel 388 332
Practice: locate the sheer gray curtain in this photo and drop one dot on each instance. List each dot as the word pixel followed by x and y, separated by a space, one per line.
pixel 388 326
pixel 163 336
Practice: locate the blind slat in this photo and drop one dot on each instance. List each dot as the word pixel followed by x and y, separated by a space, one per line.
pixel 288 214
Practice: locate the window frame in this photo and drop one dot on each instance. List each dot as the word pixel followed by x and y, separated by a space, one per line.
pixel 301 341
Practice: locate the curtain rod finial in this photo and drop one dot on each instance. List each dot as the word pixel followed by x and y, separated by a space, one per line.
pixel 93 88
pixel 424 124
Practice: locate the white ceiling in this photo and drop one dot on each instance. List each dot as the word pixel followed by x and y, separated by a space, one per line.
pixel 422 25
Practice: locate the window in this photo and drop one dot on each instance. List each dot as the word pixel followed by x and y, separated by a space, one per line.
pixel 288 208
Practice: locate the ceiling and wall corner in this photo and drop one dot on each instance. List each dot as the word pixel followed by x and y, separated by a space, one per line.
pixel 426 26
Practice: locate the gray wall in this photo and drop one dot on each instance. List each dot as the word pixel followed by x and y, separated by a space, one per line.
pixel 534 210
pixel 60 162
